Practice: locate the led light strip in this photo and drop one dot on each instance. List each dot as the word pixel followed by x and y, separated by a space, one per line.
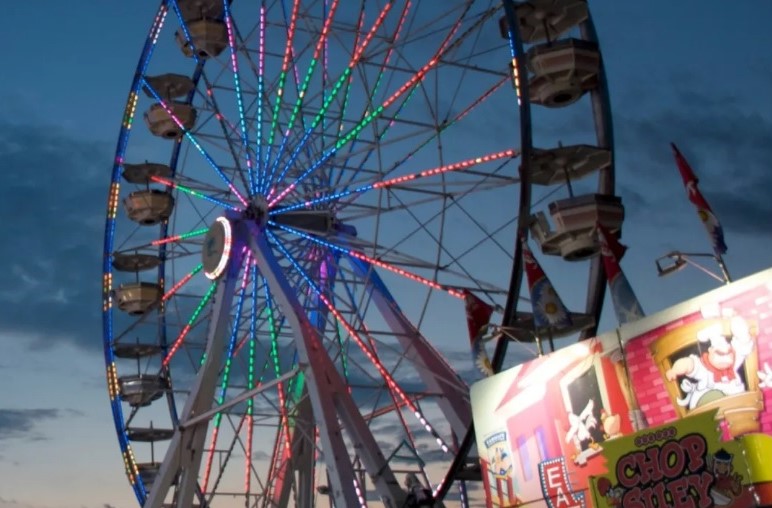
pixel 402 179
pixel 226 251
pixel 359 255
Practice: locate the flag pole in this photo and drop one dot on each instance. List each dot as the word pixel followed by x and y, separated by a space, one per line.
pixel 708 218
pixel 724 270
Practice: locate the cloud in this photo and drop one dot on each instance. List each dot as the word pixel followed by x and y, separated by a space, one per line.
pixel 727 146
pixel 724 138
pixel 13 503
pixel 53 185
pixel 22 423
pixel 260 455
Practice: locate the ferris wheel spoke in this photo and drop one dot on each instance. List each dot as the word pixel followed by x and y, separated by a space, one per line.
pixel 368 118
pixel 228 129
pixel 191 322
pixel 251 188
pixel 296 108
pixel 260 96
pixel 395 36
pixel 291 26
pixel 434 134
pixel 422 226
pixel 405 179
pixel 331 400
pixel 192 192
pixel 328 100
pixel 195 143
pixel 184 280
pixel 209 96
pixel 364 257
pixel 395 407
pixel 438 376
pixel 357 210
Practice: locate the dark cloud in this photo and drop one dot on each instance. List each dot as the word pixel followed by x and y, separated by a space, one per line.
pixel 22 423
pixel 261 455
pixel 724 138
pixel 727 146
pixel 13 503
pixel 54 188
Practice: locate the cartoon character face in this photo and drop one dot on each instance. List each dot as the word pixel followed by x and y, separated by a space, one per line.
pixel 722 468
pixel 721 354
pixel 611 424
pixel 501 462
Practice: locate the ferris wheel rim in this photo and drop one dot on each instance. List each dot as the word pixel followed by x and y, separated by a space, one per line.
pixel 137 86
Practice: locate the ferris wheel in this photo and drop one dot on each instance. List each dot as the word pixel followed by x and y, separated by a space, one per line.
pixel 293 225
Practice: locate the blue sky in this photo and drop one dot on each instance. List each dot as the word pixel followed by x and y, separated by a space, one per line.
pixel 695 72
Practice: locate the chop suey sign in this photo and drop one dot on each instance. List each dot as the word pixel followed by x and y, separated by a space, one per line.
pixel 682 465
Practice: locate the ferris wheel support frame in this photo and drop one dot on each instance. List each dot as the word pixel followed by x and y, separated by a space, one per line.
pixel 435 372
pixel 300 462
pixel 328 394
pixel 186 448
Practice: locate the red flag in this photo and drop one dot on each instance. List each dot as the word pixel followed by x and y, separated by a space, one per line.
pixel 611 250
pixel 715 231
pixel 478 313
pixel 626 304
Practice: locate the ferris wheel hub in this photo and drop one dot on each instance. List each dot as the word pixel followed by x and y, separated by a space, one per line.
pixel 257 210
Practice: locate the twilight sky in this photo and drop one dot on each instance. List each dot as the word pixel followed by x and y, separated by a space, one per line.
pixel 695 72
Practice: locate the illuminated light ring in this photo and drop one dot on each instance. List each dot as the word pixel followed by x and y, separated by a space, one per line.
pixel 225 254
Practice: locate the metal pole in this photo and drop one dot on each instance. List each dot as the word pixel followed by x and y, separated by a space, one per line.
pixel 724 270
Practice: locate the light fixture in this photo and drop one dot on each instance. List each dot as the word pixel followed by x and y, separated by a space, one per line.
pixel 676 260
pixel 670 263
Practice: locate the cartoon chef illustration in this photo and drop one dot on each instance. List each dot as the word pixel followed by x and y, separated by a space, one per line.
pixel 714 373
pixel 727 484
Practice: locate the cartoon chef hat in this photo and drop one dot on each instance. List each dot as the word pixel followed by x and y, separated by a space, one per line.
pixel 713 334
pixel 722 456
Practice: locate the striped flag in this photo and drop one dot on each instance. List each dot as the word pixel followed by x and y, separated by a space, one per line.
pixel 626 305
pixel 715 231
pixel 478 315
pixel 548 308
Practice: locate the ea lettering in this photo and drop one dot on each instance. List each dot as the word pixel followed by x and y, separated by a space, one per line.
pixel 668 475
